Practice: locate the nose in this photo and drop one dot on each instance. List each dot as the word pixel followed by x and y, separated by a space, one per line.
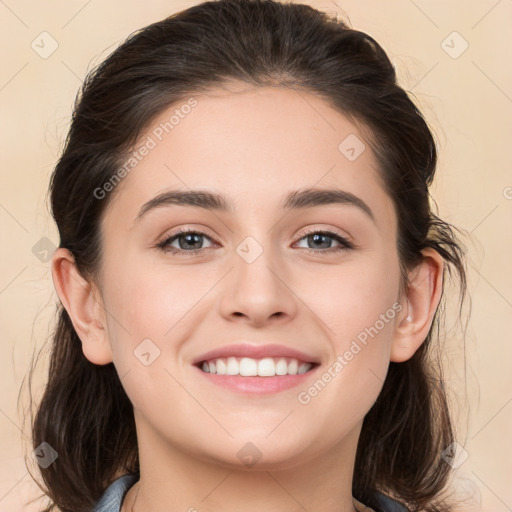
pixel 258 291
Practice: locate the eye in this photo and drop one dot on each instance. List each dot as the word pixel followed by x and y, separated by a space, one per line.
pixel 322 240
pixel 190 242
pixel 186 238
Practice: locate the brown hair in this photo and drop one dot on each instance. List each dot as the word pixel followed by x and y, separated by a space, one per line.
pixel 85 414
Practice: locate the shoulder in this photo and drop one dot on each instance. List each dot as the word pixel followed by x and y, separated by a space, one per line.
pixel 382 503
pixel 114 494
pixel 389 504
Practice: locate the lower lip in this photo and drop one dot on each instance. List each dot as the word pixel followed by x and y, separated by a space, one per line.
pixel 258 385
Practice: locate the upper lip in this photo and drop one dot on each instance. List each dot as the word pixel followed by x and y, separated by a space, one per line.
pixel 255 352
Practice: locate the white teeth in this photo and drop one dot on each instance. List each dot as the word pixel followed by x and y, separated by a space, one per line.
pixel 221 367
pixel 233 368
pixel 303 368
pixel 293 366
pixel 281 367
pixel 248 367
pixel 266 367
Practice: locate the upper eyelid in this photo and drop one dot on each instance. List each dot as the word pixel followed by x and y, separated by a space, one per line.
pixel 328 231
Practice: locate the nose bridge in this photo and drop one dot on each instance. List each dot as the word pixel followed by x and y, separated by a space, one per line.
pixel 257 288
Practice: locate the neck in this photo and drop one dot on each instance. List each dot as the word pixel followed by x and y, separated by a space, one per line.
pixel 172 480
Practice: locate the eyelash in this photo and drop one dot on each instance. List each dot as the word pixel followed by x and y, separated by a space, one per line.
pixel 345 244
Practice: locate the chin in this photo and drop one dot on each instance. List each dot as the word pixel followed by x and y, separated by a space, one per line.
pixel 258 455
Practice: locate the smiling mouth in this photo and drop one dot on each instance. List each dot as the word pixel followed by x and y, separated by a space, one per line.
pixel 249 367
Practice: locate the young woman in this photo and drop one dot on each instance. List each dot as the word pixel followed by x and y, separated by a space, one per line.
pixel 250 276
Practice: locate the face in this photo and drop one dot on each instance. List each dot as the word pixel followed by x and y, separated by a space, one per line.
pixel 261 286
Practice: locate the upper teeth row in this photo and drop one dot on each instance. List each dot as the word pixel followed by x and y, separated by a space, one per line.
pixel 247 367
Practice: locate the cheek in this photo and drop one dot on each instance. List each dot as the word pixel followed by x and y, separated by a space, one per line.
pixel 358 306
pixel 359 296
pixel 146 303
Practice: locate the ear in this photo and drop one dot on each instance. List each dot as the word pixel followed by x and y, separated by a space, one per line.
pixel 422 298
pixel 84 304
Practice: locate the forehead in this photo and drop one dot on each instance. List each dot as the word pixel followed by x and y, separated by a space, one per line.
pixel 253 144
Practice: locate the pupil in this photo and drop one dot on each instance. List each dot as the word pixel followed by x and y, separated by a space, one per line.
pixel 317 236
pixel 189 239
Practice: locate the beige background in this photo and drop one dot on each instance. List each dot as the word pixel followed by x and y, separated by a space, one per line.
pixel 467 100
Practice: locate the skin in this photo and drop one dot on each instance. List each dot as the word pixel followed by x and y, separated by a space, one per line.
pixel 254 145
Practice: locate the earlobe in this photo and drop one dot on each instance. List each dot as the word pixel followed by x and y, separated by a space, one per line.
pixel 84 305
pixel 423 295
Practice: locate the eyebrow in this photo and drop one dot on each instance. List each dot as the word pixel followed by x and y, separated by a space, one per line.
pixel 294 200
